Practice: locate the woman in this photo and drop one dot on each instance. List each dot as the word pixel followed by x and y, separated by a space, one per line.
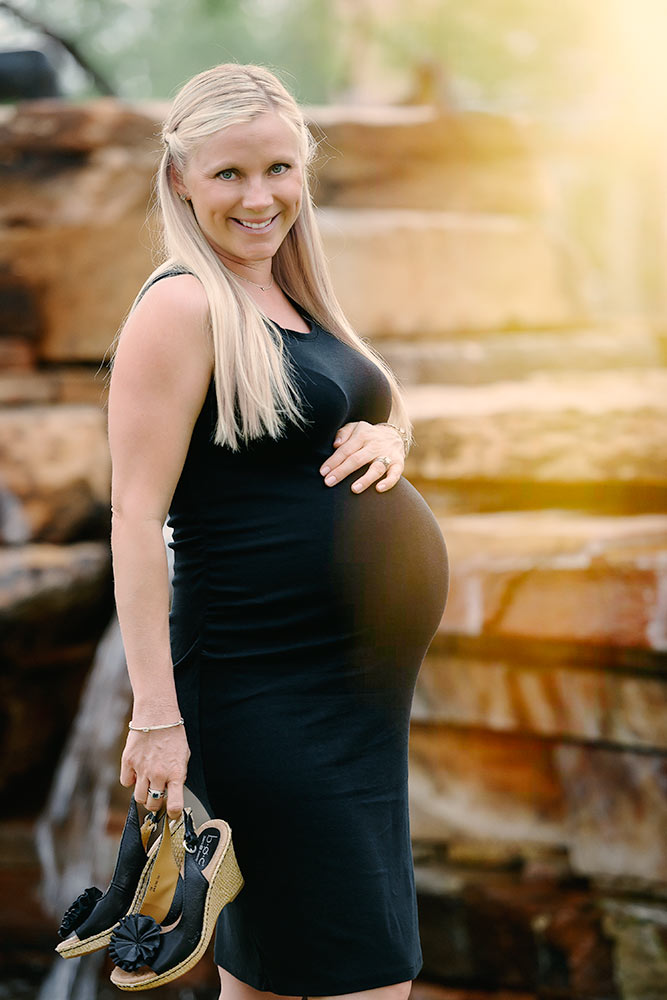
pixel 241 404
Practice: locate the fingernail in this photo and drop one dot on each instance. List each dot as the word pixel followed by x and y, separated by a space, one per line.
pixel 324 470
pixel 330 480
pixel 356 487
pixel 337 441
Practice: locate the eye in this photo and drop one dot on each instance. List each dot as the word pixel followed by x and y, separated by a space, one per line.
pixel 279 168
pixel 226 174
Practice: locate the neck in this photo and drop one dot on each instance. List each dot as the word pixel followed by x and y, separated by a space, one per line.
pixel 259 273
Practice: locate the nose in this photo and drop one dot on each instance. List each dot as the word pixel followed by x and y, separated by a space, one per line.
pixel 256 195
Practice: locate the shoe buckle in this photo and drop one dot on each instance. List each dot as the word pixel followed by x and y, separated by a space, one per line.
pixel 190 840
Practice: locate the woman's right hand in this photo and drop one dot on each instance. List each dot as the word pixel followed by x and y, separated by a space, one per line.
pixel 159 760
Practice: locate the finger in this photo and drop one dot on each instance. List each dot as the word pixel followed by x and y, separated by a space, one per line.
pixel 174 799
pixel 141 789
pixel 358 450
pixel 344 446
pixel 354 459
pixel 392 477
pixel 128 775
pixel 339 456
pixel 343 433
pixel 157 783
pixel 376 471
pixel 364 457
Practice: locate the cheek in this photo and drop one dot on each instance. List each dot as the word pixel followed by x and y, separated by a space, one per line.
pixel 296 197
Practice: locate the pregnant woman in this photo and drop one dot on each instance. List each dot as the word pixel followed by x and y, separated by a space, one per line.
pixel 309 576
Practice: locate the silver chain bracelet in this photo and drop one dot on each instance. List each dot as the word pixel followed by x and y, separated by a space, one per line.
pixel 149 729
pixel 405 438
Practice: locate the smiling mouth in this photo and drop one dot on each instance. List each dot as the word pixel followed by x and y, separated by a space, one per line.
pixel 256 226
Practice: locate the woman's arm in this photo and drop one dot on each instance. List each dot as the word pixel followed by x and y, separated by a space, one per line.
pixel 160 376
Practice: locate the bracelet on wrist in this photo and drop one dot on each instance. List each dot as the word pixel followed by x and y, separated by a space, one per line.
pixel 405 437
pixel 149 729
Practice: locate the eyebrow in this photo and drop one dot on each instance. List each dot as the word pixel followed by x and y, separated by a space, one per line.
pixel 216 165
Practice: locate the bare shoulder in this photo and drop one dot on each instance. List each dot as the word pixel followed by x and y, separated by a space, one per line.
pixel 184 291
pixel 166 337
pixel 176 304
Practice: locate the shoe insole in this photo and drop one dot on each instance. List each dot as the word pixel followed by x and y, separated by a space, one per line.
pixel 208 841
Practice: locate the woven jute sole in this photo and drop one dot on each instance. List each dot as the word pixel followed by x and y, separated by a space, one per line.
pixel 73 949
pixel 226 883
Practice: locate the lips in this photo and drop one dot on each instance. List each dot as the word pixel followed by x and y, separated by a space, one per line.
pixel 256 225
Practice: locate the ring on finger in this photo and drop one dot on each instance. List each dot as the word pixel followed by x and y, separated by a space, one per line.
pixel 153 793
pixel 386 461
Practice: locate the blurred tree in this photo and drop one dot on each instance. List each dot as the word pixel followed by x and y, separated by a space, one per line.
pixel 520 54
pixel 147 48
pixel 39 26
pixel 530 54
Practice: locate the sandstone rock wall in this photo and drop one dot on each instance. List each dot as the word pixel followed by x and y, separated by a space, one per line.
pixel 539 746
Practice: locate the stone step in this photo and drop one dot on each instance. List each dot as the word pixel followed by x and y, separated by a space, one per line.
pixel 404 273
pixel 553 428
pixel 57 384
pixel 83 302
pixel 55 473
pixel 506 356
pixel 397 273
pixel 513 927
pixel 469 161
pixel 55 602
pixel 605 807
pixel 557 576
pixel 451 256
pixel 38 580
pixel 534 695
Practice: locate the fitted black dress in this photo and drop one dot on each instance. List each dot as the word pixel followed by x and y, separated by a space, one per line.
pixel 300 617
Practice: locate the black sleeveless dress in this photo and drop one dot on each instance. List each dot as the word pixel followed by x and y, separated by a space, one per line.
pixel 300 617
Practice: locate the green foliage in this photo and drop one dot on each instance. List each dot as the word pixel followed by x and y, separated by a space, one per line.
pixel 518 53
pixel 148 48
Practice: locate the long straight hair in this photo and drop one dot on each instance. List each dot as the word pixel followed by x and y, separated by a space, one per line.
pixel 254 384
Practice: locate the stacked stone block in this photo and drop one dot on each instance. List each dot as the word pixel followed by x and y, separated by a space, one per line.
pixel 538 746
pixel 538 766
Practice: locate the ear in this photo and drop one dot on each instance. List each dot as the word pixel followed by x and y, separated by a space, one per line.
pixel 177 182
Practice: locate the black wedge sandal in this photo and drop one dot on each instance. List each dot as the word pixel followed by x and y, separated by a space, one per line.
pixel 88 923
pixel 148 953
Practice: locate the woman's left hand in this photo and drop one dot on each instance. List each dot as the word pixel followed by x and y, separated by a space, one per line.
pixel 359 443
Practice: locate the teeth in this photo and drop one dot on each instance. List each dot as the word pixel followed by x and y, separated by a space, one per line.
pixel 255 225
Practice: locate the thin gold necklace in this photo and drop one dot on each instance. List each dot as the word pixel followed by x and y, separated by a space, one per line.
pixel 264 288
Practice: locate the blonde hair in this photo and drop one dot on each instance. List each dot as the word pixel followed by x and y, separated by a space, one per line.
pixel 254 385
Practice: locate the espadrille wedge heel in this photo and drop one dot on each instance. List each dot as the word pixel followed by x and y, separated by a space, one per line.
pixel 148 954
pixel 88 923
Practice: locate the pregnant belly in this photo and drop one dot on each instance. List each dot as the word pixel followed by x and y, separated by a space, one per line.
pixel 306 571
pixel 391 563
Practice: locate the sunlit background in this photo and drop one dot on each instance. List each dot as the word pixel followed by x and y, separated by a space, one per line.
pixel 492 191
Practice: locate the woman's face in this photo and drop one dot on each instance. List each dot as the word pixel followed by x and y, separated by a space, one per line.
pixel 245 183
